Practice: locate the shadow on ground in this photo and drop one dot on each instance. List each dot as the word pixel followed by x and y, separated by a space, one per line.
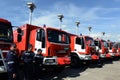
pixel 53 75
pixel 68 72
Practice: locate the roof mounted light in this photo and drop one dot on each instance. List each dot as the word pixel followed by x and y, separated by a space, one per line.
pixel 31 6
pixel 80 34
pixel 44 26
pixel 89 28
pixel 60 17
pixel 77 25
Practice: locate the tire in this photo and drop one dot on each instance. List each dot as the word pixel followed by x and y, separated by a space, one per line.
pixel 74 62
pixel 59 68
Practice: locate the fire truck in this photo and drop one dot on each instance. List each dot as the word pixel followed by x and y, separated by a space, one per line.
pixel 118 50
pixel 82 50
pixel 102 48
pixel 115 50
pixel 55 43
pixel 6 39
pixel 112 50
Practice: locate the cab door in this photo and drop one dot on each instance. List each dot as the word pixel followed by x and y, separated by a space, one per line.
pixel 40 42
pixel 79 44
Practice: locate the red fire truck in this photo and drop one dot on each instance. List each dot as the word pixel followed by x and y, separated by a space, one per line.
pixel 118 50
pixel 55 43
pixel 115 49
pixel 112 50
pixel 82 50
pixel 6 39
pixel 102 48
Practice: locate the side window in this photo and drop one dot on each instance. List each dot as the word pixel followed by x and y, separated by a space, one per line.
pixel 41 37
pixel 96 43
pixel 99 44
pixel 111 45
pixel 38 35
pixel 83 44
pixel 107 45
pixel 78 41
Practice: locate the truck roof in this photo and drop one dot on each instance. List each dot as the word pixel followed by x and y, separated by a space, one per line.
pixel 99 39
pixel 31 27
pixel 79 35
pixel 5 21
pixel 55 29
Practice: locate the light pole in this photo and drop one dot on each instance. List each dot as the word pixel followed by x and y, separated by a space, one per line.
pixel 89 28
pixel 77 27
pixel 31 6
pixel 60 17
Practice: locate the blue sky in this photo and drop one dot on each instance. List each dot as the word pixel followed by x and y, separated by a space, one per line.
pixel 102 15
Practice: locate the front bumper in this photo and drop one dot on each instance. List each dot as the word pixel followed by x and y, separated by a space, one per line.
pixel 50 61
pixel 95 57
pixel 117 54
pixel 64 60
pixel 112 54
pixel 85 57
pixel 108 56
pixel 57 60
pixel 102 55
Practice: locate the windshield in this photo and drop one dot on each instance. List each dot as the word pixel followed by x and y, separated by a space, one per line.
pixel 6 32
pixel 57 36
pixel 89 41
pixel 110 45
pixel 118 45
pixel 115 45
pixel 96 43
pixel 104 43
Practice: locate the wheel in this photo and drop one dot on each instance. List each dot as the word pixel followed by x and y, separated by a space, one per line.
pixel 74 62
pixel 59 68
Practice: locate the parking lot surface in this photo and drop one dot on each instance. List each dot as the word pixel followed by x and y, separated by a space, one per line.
pixel 109 71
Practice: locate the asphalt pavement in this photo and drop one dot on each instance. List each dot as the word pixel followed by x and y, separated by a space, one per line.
pixel 109 71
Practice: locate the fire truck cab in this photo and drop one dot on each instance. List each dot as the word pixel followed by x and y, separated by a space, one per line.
pixel 112 50
pixel 6 39
pixel 102 48
pixel 55 43
pixel 82 50
pixel 115 49
pixel 118 49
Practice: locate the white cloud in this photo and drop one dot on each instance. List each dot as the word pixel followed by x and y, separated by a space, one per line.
pixel 110 36
pixel 74 13
pixel 49 20
pixel 71 12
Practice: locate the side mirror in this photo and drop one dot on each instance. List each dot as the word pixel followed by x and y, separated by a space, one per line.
pixel 99 46
pixel 82 44
pixel 19 30
pixel 19 36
